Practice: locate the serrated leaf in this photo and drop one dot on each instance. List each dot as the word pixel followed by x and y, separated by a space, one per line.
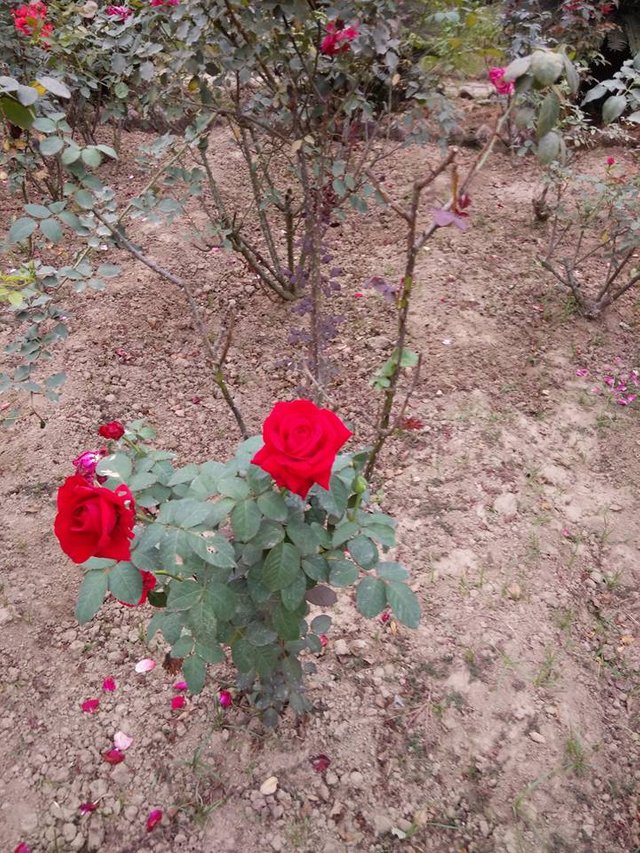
pixel 91 595
pixel 392 571
pixel 343 532
pixel 342 573
pixel 183 646
pixel 260 634
pixel 116 467
pixel 242 653
pixel 293 595
pixel 286 623
pixel 54 85
pixel 371 597
pixel 233 487
pixel 245 520
pixel 316 568
pixel 183 595
pixel 202 618
pixel 404 603
pixel 273 506
pixel 194 671
pixel 51 145
pixel 548 115
pixel 280 566
pixel 140 481
pixel 209 651
pixel 363 551
pixel 321 624
pixel 125 583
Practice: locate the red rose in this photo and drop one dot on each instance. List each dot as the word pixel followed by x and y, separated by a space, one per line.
pixel 94 522
pixel 300 445
pixel 113 429
pixel 148 583
pixel 337 39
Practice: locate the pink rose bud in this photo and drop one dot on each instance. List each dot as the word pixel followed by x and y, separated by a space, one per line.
pixel 155 816
pixel 178 702
pixel 225 699
pixel 611 161
pixel 113 430
pixel 86 463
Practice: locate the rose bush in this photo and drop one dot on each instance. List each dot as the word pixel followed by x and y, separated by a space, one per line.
pixel 233 558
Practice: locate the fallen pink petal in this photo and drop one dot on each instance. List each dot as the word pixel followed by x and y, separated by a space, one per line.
pixel 566 533
pixel 324 640
pixel 145 665
pixel 22 848
pixel 320 763
pixel 181 685
pixel 122 741
pixel 90 706
pixel 113 756
pixel 225 699
pixel 109 684
pixel 582 371
pixel 155 816
pixel 178 702
pixel 87 808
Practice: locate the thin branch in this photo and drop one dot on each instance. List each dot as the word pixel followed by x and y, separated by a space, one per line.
pixel 215 353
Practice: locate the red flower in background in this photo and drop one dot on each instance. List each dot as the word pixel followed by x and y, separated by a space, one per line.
pixel 94 522
pixel 119 12
pixel 148 583
pixel 30 20
pixel 337 39
pixel 301 442
pixel 113 430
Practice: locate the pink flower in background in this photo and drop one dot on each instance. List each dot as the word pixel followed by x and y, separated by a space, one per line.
pixel 582 371
pixel 164 2
pixel 119 12
pixel 86 463
pixel 502 87
pixel 181 685
pixel 611 161
pixel 337 39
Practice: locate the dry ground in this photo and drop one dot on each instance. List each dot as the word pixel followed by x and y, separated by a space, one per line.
pixel 508 721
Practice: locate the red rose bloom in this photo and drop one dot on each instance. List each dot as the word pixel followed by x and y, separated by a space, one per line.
pixel 113 429
pixel 148 583
pixel 337 39
pixel 94 522
pixel 300 445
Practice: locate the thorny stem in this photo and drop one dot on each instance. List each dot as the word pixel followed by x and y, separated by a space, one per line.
pixel 215 352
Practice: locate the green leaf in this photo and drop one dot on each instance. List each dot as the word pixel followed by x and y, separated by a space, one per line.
pixel 322 596
pixel 613 107
pixel 108 150
pixel 280 567
pixel 342 573
pixel 138 482
pixel 92 157
pixel 186 513
pixel 202 619
pixel 293 595
pixel 392 572
pixel 548 115
pixel 83 197
pixel 209 651
pixel 404 604
pixel 286 623
pixel 121 90
pixel 546 66
pixel 27 95
pixel 70 155
pixel 182 475
pixel 51 230
pixel 571 74
pixel 223 601
pixel 268 535
pixel 44 125
pixel 233 487
pixel 183 595
pixel 371 597
pixel 343 532
pixel 51 145
pixel 549 147
pixel 183 646
pixel 303 537
pixel 245 520
pixel 54 85
pixel 37 210
pixel 21 229
pixel 517 68
pixel 91 595
pixel 363 551
pixel 15 112
pixel 273 506
pixel 260 634
pixel 321 624
pixel 316 568
pixel 125 582
pixel 194 671
pixel 242 653
pixel 116 467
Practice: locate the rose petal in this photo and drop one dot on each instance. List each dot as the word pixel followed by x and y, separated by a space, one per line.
pixel 225 699
pixel 90 706
pixel 178 702
pixel 22 848
pixel 122 741
pixel 181 685
pixel 145 665
pixel 113 756
pixel 109 684
pixel 155 816
pixel 320 762
pixel 87 808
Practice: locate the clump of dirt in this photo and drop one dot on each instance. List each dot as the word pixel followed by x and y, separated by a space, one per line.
pixel 508 721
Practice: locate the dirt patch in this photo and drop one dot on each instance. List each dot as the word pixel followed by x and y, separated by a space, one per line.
pixel 508 721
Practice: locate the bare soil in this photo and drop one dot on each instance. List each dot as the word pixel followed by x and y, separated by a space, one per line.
pixel 508 721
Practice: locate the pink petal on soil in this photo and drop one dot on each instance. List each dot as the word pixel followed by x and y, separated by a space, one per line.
pixel 109 684
pixel 22 848
pixel 320 762
pixel 608 380
pixel 181 685
pixel 122 741
pixel 358 295
pixel 145 665
pixel 566 533
pixel 225 699
pixel 582 371
pixel 90 706
pixel 631 398
pixel 113 756
pixel 87 808
pixel 324 640
pixel 596 390
pixel 155 816
pixel 178 702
